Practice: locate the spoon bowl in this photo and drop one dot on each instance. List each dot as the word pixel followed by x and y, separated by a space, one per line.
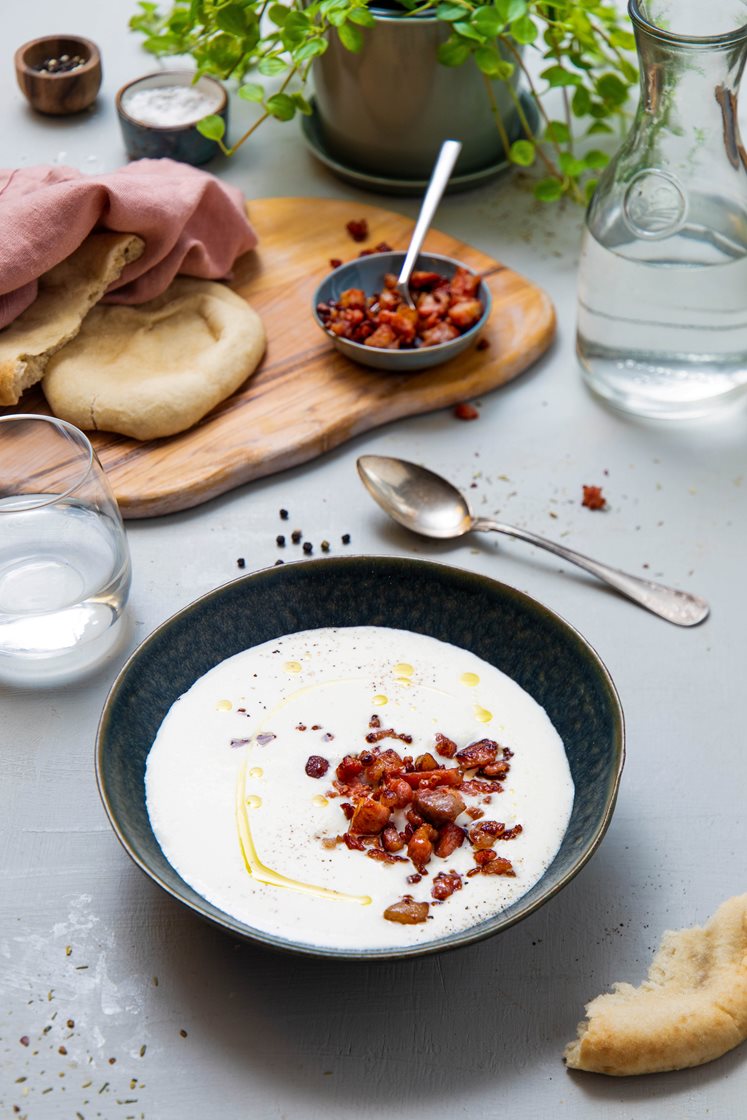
pixel 428 504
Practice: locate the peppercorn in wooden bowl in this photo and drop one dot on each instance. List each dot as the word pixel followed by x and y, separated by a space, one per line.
pixel 59 74
pixel 357 307
pixel 536 649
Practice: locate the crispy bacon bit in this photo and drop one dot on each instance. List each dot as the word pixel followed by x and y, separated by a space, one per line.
pixel 420 847
pixel 447 748
pixel 407 912
pixel 334 262
pixel 450 837
pixel 384 857
pixel 349 768
pixel 441 332
pixel 391 839
pixel 478 754
pixel 414 878
pixel 485 855
pixel 499 866
pixel 439 806
pixel 476 786
pixel 316 766
pixel 331 841
pixel 428 280
pixel 426 762
pixel 445 883
pixel 414 818
pixel 593 498
pixel 511 833
pixel 397 794
pixel 464 284
pixel 496 769
pixel 464 411
pixel 484 834
pixel 358 230
pixel 475 812
pixel 483 344
pixel 383 338
pixel 375 721
pixel 380 764
pixel 353 842
pixel 387 733
pixel 465 313
pixel 427 779
pixel 347 809
pixel 369 817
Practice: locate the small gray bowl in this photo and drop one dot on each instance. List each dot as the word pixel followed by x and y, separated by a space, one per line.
pixel 182 142
pixel 368 274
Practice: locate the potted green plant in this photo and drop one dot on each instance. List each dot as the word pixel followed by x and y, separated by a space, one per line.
pixel 579 88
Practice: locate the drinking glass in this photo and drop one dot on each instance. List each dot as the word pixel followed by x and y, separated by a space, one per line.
pixel 64 561
pixel 662 309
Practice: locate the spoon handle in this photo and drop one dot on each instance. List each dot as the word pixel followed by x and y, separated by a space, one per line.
pixel 440 176
pixel 675 606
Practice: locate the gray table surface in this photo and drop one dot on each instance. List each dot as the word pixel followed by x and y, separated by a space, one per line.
pixel 173 1019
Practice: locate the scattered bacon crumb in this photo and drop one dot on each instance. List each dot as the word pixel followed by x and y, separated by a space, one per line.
pixel 593 498
pixel 334 262
pixel 316 766
pixel 483 344
pixel 445 883
pixel 358 230
pixel 464 411
pixel 407 912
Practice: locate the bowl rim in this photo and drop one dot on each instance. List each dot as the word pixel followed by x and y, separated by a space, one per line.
pixel 92 62
pixel 486 294
pixel 461 938
pixel 122 112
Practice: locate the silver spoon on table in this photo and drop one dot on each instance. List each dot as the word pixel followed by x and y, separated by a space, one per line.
pixel 439 179
pixel 428 504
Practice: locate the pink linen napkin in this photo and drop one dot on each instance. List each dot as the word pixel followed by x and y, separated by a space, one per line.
pixel 191 223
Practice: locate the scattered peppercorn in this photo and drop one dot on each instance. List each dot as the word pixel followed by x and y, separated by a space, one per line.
pixel 278 563
pixel 593 498
pixel 24 1040
pixel 183 1033
pixel 241 562
pixel 280 540
pixel 345 538
pixel 325 546
pixel 465 411
pixel 284 515
pixel 296 536
pixel 308 547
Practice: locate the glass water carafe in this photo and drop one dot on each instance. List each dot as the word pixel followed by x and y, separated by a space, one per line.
pixel 662 301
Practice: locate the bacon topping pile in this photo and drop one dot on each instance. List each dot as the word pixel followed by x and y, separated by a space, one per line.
pixel 401 809
pixel 444 309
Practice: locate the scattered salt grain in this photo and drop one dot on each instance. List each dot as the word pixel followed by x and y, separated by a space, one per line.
pixel 168 106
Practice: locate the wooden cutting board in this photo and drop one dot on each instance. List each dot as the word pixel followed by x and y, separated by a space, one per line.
pixel 305 397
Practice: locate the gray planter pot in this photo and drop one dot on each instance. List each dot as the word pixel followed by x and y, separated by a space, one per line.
pixel 386 110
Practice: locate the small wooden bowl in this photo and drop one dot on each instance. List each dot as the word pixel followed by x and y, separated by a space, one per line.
pixel 61 93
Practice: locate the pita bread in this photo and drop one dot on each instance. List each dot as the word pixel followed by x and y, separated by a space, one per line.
pixel 66 294
pixel 690 1010
pixel 156 369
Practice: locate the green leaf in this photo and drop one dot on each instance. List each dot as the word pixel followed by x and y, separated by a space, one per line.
pixel 524 30
pixel 252 91
pixel 212 127
pixel 269 67
pixel 467 31
pixel 362 16
pixel 450 13
pixel 231 19
pixel 581 102
pixel 522 152
pixel 313 48
pixel 487 21
pixel 558 132
pixel 596 160
pixel 597 127
pixel 223 52
pixel 509 10
pixel 350 37
pixel 612 90
pixel 282 106
pixel 571 166
pixel 559 76
pixel 302 104
pixel 453 52
pixel 278 13
pixel 337 18
pixel 548 190
pixel 624 40
pixel 489 61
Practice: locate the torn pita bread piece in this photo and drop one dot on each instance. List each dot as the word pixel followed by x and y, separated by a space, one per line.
pixel 65 296
pixel 156 369
pixel 691 1009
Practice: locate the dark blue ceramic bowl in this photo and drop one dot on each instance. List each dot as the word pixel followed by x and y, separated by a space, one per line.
pixel 530 643
pixel 368 274
pixel 181 142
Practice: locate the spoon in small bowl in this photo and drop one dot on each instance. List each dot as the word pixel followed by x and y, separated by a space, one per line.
pixel 427 504
pixel 439 179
